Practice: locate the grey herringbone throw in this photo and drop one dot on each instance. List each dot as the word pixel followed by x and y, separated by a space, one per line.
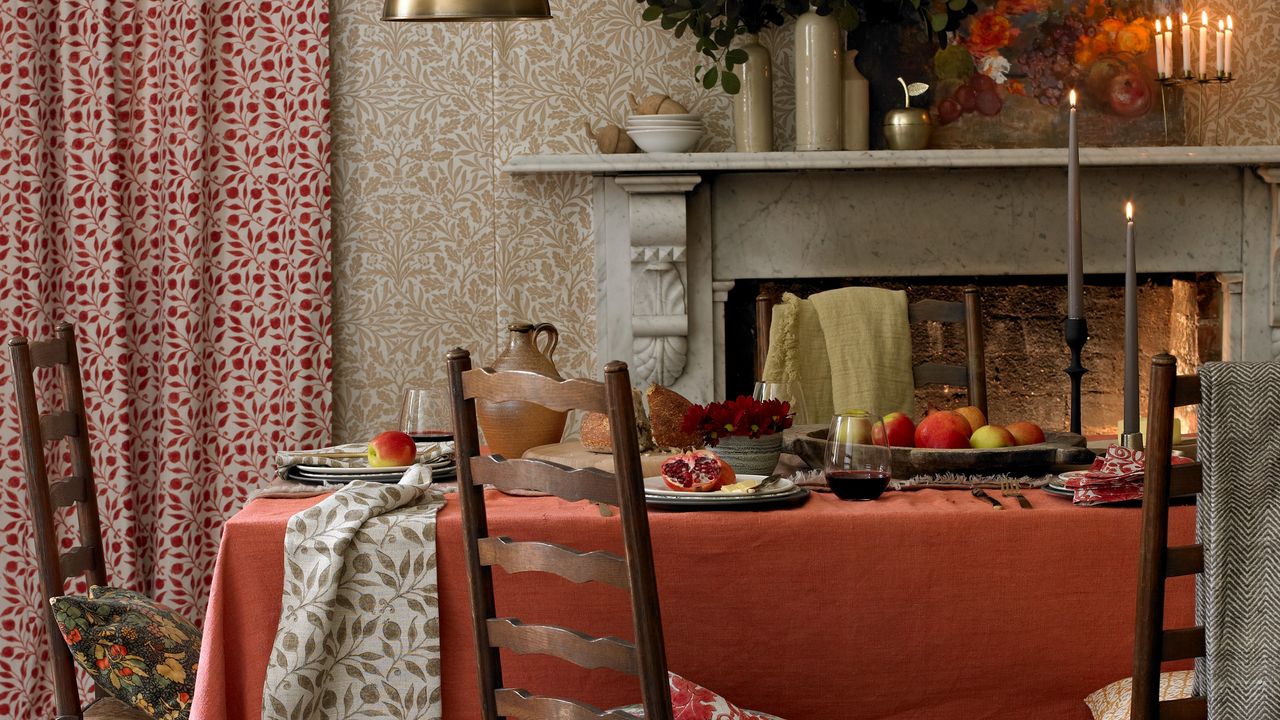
pixel 1238 517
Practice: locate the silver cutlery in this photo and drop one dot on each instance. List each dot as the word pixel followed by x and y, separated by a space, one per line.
pixel 982 495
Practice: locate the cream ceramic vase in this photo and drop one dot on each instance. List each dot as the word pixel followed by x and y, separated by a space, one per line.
pixel 753 105
pixel 510 428
pixel 857 106
pixel 819 92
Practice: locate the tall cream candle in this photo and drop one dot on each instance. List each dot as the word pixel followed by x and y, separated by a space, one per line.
pixel 1168 45
pixel 1221 48
pixel 1231 27
pixel 1186 45
pixel 1204 45
pixel 1159 50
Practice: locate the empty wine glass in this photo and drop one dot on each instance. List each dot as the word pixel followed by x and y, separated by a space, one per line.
pixel 417 419
pixel 857 460
pixel 789 392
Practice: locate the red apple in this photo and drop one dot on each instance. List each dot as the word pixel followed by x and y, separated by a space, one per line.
pixel 1025 433
pixel 943 430
pixel 900 429
pixel 391 449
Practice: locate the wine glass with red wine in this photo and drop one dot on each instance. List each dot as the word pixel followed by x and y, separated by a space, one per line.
pixel 417 419
pixel 857 456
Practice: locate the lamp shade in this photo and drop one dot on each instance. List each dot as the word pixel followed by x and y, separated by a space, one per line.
pixel 463 10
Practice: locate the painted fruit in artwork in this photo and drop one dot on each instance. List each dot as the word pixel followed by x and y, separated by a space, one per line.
pixel 943 430
pixel 1129 94
pixel 898 428
pixel 973 415
pixel 1025 433
pixel 697 471
pixel 391 449
pixel 991 436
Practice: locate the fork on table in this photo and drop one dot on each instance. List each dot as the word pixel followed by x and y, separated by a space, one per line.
pixel 1009 488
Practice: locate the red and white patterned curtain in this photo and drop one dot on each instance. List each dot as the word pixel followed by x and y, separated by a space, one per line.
pixel 164 184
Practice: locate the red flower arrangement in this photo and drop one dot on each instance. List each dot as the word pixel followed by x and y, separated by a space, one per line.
pixel 744 417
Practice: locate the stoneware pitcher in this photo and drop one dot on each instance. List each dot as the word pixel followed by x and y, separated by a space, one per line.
pixel 510 428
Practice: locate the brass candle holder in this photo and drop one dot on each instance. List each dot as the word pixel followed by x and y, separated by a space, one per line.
pixel 1171 84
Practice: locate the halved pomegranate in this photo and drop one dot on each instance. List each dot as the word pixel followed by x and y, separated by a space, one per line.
pixel 697 471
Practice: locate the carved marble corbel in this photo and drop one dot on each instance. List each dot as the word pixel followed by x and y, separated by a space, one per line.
pixel 1272 176
pixel 658 220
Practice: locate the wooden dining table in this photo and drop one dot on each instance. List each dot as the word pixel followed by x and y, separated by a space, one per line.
pixel 923 604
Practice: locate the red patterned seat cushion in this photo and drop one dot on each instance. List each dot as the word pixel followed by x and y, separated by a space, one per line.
pixel 691 701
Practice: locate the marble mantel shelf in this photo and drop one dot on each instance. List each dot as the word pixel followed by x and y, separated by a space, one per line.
pixel 596 164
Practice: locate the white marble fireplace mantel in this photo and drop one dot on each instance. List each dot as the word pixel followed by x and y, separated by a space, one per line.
pixel 673 232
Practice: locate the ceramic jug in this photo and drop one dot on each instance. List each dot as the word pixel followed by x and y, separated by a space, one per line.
pixel 510 428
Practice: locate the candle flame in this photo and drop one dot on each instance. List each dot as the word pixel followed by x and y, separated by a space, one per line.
pixel 1072 98
pixel 1231 25
pixel 1128 211
pixel 1184 18
pixel 1168 22
pixel 1221 26
pixel 1204 18
pixel 1158 30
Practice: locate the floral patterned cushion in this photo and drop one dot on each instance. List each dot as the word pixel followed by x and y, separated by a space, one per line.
pixel 133 647
pixel 691 701
pixel 1114 702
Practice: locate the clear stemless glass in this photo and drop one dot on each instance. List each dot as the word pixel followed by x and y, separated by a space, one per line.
pixel 417 419
pixel 788 392
pixel 857 456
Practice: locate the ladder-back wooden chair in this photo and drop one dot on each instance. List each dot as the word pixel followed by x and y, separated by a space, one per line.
pixel 1153 644
pixel 625 490
pixel 46 498
pixel 972 375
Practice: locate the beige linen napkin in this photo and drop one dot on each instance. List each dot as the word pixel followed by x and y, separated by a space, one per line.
pixel 798 353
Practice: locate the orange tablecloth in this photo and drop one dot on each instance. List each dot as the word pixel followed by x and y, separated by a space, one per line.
pixel 920 605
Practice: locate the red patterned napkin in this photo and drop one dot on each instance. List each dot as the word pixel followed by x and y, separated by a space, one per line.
pixel 1115 477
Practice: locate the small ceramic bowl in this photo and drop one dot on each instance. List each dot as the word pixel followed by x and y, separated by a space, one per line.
pixel 668 140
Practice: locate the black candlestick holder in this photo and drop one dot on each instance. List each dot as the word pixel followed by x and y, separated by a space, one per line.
pixel 1077 333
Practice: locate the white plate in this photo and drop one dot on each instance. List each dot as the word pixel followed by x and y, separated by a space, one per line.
pixel 656 487
pixel 1059 490
pixel 1072 475
pixel 326 470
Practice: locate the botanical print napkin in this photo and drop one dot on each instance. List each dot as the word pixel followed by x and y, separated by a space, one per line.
pixel 1238 518
pixel 359 633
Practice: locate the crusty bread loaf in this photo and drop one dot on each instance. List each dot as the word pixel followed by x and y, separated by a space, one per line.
pixel 596 433
pixel 667 409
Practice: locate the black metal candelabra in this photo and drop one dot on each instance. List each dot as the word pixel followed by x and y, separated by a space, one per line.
pixel 1077 332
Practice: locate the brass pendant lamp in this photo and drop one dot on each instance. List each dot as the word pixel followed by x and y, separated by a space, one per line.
pixel 465 10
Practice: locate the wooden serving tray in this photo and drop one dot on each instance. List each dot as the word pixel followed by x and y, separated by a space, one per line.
pixel 1059 448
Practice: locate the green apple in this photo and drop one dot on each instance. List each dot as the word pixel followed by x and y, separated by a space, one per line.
pixel 991 436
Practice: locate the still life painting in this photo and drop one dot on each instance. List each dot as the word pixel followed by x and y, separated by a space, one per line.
pixel 1003 79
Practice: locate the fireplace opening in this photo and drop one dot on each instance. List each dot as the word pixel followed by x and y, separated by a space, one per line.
pixel 1025 350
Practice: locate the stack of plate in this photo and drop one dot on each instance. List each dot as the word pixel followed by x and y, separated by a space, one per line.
pixel 665 133
pixel 442 467
pixel 783 492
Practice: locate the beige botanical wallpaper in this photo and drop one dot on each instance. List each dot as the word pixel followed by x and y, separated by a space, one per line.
pixel 435 248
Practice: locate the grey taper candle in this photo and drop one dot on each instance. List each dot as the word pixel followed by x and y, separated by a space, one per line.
pixel 1131 422
pixel 1075 251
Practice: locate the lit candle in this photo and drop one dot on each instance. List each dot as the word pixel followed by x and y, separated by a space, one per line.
pixel 1186 46
pixel 1075 257
pixel 1159 50
pixel 1204 45
pixel 1221 48
pixel 1130 326
pixel 1168 46
pixel 1231 27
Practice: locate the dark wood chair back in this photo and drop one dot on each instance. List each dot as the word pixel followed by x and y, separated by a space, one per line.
pixel 972 375
pixel 1153 643
pixel 46 498
pixel 646 657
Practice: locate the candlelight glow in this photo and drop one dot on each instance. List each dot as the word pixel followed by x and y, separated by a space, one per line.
pixel 1184 18
pixel 1204 18
pixel 1230 23
pixel 1128 211
pixel 1168 22
pixel 1158 30
pixel 1221 26
pixel 1072 98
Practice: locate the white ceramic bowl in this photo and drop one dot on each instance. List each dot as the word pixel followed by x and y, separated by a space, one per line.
pixel 661 122
pixel 664 118
pixel 670 140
